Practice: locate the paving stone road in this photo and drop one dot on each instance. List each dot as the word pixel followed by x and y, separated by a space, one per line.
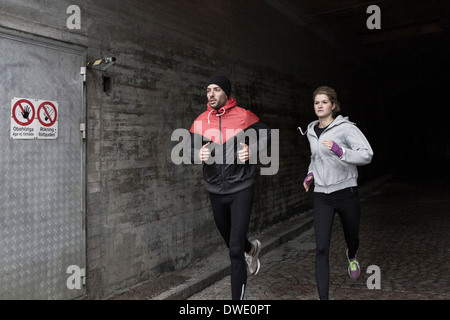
pixel 405 231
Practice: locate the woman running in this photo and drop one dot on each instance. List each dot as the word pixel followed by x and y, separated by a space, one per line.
pixel 337 148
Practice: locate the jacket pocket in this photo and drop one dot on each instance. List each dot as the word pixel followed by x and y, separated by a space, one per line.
pixel 212 174
pixel 238 172
pixel 333 171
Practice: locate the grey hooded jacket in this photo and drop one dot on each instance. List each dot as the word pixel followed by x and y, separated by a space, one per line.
pixel 332 173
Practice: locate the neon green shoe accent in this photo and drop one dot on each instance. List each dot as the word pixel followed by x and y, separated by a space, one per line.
pixel 353 269
pixel 354 265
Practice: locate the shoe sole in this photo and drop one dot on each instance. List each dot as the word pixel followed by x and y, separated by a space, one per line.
pixel 257 268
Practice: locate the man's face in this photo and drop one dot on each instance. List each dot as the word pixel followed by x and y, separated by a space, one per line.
pixel 216 96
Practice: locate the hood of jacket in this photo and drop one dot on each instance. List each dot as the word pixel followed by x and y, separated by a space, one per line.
pixel 224 123
pixel 336 122
pixel 231 103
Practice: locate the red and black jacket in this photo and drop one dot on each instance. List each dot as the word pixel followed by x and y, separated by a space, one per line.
pixel 225 128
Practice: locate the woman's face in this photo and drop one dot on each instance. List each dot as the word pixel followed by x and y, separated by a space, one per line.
pixel 322 106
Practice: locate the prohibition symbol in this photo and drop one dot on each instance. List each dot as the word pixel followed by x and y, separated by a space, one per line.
pixel 47 114
pixel 23 112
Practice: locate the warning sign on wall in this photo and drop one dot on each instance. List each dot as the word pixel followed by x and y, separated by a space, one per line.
pixel 34 119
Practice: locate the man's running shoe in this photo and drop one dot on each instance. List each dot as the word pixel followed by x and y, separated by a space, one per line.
pixel 252 260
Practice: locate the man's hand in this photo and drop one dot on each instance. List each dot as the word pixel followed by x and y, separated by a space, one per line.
pixel 204 152
pixel 244 153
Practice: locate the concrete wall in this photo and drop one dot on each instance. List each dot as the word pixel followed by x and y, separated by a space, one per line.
pixel 145 215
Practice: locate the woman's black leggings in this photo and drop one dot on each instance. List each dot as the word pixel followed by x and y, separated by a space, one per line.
pixel 347 204
pixel 232 217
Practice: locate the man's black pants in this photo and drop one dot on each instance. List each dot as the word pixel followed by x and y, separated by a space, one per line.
pixel 232 217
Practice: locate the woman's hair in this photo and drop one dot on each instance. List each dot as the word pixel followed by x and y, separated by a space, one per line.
pixel 332 95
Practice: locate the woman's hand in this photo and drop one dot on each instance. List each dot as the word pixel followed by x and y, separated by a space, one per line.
pixel 308 180
pixel 333 146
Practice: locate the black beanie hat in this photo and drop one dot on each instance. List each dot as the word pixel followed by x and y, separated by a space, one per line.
pixel 222 81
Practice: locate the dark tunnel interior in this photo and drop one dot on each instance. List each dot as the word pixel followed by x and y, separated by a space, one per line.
pixel 404 77
pixel 414 85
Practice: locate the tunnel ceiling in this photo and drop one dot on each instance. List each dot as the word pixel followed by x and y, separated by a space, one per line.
pixel 411 30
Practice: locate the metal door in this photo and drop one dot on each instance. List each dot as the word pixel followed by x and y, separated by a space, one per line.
pixel 42 202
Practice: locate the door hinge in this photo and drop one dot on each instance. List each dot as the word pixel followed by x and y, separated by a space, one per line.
pixel 83 130
pixel 83 73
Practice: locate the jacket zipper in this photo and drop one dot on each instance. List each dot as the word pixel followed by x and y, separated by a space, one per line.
pixel 319 158
pixel 221 143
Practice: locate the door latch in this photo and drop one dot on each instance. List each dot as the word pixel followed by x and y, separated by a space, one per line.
pixel 83 130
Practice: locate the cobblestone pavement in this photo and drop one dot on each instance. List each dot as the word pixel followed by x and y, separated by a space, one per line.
pixel 405 231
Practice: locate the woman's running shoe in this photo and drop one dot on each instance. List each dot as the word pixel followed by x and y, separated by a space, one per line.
pixel 353 268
